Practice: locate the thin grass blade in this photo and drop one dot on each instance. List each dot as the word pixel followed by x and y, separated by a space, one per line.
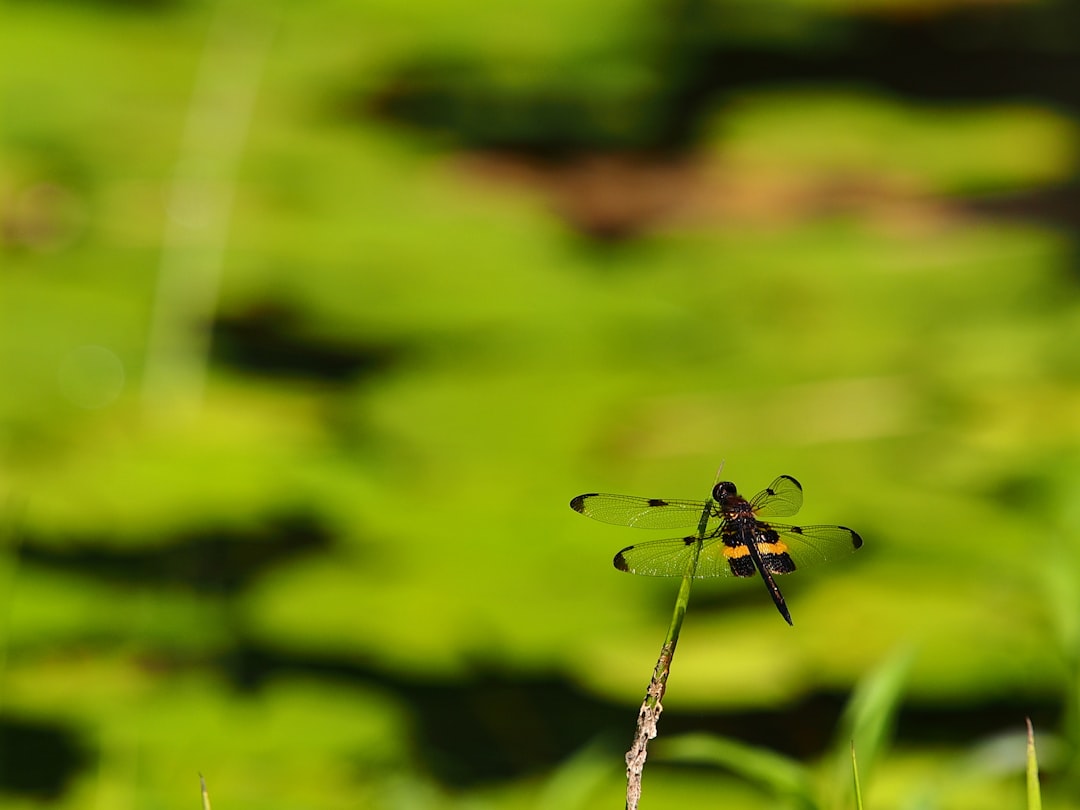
pixel 868 719
pixel 855 776
pixel 1033 795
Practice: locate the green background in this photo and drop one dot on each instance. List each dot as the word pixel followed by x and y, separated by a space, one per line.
pixel 313 319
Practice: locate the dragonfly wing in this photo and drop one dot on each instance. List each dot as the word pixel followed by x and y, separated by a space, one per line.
pixel 641 513
pixel 672 558
pixel 782 498
pixel 807 545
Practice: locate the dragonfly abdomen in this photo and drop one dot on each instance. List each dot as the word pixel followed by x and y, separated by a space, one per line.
pixel 771 549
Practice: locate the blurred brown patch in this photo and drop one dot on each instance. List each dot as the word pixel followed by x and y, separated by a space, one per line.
pixel 613 197
pixel 606 197
pixel 41 216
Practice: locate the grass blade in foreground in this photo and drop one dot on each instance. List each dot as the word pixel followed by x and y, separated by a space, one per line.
pixel 205 794
pixel 1034 797
pixel 855 776
pixel 1060 589
pixel 869 717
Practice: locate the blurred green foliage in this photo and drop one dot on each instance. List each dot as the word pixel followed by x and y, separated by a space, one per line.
pixel 824 289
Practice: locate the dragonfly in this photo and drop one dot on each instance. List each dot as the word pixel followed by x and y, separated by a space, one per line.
pixel 736 536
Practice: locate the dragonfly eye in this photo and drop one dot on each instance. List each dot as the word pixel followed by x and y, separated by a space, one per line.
pixel 723 490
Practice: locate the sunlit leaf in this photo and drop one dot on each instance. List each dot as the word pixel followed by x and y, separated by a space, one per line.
pixel 778 774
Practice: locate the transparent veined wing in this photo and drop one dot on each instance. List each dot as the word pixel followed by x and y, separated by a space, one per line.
pixel 811 545
pixel 806 545
pixel 782 498
pixel 642 513
pixel 672 558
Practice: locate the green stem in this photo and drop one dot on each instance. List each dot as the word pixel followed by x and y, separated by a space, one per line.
pixel 667 652
pixel 649 714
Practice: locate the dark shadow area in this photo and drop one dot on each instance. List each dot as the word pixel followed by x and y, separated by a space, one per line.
pixel 132 6
pixel 699 54
pixel 544 117
pixel 986 53
pixel 221 561
pixel 270 339
pixel 497 725
pixel 1058 206
pixel 38 760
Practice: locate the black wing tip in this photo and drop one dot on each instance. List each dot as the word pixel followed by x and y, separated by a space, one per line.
pixel 620 562
pixel 793 480
pixel 856 538
pixel 578 503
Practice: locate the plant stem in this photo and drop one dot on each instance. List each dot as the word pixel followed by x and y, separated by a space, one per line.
pixel 649 713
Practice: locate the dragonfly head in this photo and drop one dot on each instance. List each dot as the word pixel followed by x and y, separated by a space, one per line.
pixel 723 491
